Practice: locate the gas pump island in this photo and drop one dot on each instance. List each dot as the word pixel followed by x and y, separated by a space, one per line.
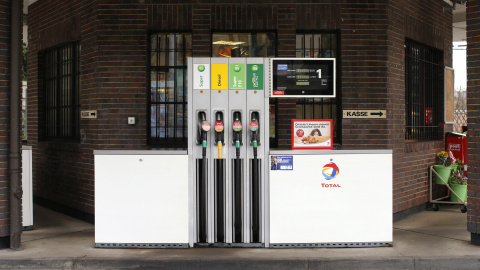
pixel 229 189
pixel 227 178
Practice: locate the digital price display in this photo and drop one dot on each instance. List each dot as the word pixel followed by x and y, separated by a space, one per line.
pixel 303 77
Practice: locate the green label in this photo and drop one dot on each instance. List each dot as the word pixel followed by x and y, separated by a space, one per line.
pixel 255 77
pixel 236 76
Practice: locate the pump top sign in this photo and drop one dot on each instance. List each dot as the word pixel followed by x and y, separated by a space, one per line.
pixel 303 77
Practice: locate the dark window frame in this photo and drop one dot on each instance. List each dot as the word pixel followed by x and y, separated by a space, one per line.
pixel 321 103
pixel 424 88
pixel 165 141
pixel 59 93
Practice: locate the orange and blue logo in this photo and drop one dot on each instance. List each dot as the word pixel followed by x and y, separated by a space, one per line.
pixel 330 171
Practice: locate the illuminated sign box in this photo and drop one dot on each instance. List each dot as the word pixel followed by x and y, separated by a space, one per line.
pixel 303 77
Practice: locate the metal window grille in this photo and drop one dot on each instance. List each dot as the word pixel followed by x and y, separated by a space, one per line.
pixel 250 44
pixel 60 85
pixel 424 74
pixel 167 89
pixel 320 45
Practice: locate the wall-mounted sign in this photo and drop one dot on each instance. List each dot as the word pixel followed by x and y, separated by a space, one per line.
pixel 219 77
pixel 88 114
pixel 449 95
pixel 254 76
pixel 364 114
pixel 303 77
pixel 201 76
pixel 428 115
pixel 236 74
pixel 312 134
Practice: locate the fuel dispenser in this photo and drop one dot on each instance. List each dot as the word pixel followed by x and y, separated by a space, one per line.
pixel 228 207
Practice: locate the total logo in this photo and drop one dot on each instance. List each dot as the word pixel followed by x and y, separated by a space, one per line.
pixel 330 171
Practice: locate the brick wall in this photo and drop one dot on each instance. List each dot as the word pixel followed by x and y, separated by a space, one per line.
pixel 113 37
pixel 5 40
pixel 473 93
pixel 426 22
pixel 63 172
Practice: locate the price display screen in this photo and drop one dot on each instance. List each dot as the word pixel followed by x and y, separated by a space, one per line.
pixel 303 77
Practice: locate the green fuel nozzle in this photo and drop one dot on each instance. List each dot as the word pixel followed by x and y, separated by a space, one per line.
pixel 237 128
pixel 254 129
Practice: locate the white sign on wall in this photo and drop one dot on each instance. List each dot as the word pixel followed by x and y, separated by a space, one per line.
pixel 201 76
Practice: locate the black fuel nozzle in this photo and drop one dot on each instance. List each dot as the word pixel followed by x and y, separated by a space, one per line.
pixel 254 129
pixel 203 127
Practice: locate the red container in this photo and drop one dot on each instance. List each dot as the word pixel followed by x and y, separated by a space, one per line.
pixel 457 143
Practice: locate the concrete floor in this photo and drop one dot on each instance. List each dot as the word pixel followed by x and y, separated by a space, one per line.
pixel 428 240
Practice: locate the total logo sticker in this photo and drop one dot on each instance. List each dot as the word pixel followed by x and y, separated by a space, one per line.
pixel 330 171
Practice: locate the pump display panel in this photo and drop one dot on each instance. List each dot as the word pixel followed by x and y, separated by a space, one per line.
pixel 303 77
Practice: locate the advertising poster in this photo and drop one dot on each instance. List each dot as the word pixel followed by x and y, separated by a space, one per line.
pixel 312 134
pixel 281 163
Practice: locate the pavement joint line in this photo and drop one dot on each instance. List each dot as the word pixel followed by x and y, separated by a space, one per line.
pixel 431 235
pixel 26 241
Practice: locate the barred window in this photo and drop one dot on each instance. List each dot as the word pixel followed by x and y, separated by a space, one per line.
pixel 249 44
pixel 320 45
pixel 168 89
pixel 59 88
pixel 423 91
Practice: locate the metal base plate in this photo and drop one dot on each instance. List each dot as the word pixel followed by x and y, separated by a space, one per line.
pixel 333 245
pixel 229 245
pixel 142 245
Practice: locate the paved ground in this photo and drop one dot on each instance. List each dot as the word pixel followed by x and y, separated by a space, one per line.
pixel 429 240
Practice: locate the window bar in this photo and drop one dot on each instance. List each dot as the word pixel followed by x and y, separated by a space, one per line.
pixel 58 90
pixel 331 55
pixel 175 87
pixel 322 48
pixel 184 97
pixel 407 92
pixel 166 93
pixel 158 101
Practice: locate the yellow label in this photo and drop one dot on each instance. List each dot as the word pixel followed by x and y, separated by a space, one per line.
pixel 219 77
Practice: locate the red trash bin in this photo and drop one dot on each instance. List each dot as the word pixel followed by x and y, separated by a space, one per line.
pixel 457 143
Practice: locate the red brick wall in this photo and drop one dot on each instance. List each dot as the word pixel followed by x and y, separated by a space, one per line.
pixel 473 93
pixel 428 23
pixel 63 172
pixel 114 35
pixel 5 40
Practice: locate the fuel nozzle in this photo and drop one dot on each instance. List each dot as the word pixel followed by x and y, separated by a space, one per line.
pixel 237 129
pixel 203 128
pixel 254 129
pixel 219 138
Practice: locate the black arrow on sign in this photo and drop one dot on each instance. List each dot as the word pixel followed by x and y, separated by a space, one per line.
pixel 379 113
pixel 92 114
